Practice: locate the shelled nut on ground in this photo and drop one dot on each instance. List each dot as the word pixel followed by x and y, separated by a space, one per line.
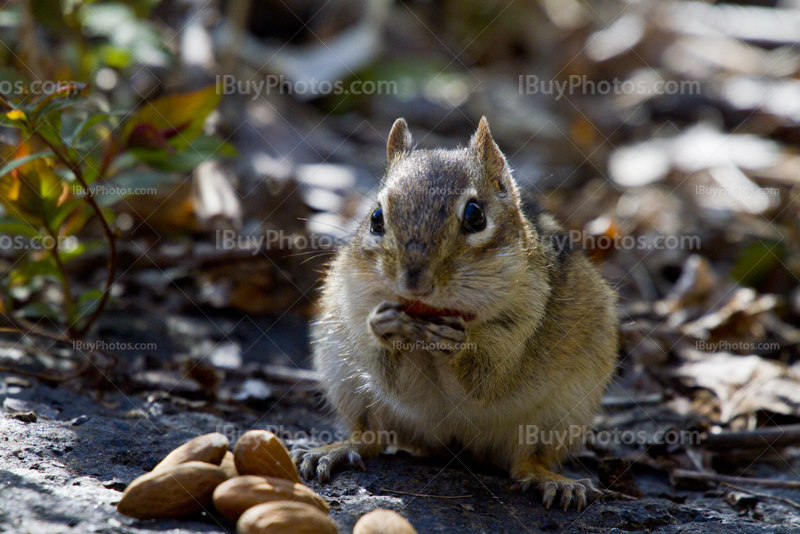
pixel 284 517
pixel 235 496
pixel 258 452
pixel 172 492
pixel 383 522
pixel 208 448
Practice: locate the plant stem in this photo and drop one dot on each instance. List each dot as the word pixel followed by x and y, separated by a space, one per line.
pixel 112 240
pixel 112 243
pixel 69 306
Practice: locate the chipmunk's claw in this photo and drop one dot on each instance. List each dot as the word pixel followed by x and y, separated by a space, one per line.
pixel 320 462
pixel 572 492
pixel 297 453
pixel 567 491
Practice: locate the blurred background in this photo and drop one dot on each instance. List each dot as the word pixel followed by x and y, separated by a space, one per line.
pixel 232 146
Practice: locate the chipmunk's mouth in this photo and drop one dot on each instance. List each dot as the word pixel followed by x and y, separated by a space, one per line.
pixel 421 310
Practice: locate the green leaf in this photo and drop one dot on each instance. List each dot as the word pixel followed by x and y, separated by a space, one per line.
pixel 8 167
pixel 56 218
pixel 82 248
pixel 59 103
pixel 116 57
pixel 128 35
pixel 39 310
pixel 50 130
pixel 31 192
pixel 45 268
pixel 136 182
pixel 213 146
pixel 84 126
pixel 10 123
pixel 16 227
pixel 179 117
pixel 145 179
pixel 73 224
pixel 201 150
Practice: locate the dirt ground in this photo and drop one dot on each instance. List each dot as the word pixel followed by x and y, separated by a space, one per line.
pixel 65 472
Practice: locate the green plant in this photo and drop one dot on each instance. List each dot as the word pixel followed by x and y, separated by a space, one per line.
pixel 65 146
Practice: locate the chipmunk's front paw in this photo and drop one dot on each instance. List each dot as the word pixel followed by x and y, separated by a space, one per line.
pixel 319 462
pixel 444 336
pixel 399 331
pixel 390 325
pixel 531 474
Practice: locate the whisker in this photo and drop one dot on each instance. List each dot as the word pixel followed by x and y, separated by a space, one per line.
pixel 326 223
pixel 306 252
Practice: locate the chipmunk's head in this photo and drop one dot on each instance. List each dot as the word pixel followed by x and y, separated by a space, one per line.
pixel 447 235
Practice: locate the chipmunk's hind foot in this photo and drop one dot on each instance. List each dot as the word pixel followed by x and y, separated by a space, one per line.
pixel 320 462
pixel 532 473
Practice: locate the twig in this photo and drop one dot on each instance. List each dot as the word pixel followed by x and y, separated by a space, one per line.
pixel 45 377
pixel 87 358
pixel 40 375
pixel 617 495
pixel 236 13
pixel 20 325
pixel 628 402
pixel 762 495
pixel 779 436
pixel 726 479
pixel 28 38
pixel 427 495
pixel 68 304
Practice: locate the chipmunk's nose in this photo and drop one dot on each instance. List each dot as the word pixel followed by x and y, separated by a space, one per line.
pixel 413 282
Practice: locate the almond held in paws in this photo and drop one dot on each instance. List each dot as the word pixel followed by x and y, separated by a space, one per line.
pixel 383 522
pixel 285 517
pixel 421 310
pixel 208 448
pixel 237 495
pixel 173 492
pixel 259 452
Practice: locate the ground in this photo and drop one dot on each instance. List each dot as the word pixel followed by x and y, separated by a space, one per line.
pixel 65 472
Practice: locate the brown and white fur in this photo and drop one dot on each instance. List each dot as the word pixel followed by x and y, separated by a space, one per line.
pixel 529 352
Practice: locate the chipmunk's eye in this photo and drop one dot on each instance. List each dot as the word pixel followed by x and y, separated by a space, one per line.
pixel 376 221
pixel 474 219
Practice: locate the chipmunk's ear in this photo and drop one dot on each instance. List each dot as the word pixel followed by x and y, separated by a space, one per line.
pixel 488 155
pixel 400 140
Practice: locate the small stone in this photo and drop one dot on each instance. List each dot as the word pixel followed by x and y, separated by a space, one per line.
pixel 78 421
pixel 226 356
pixel 116 485
pixel 25 417
pixel 253 389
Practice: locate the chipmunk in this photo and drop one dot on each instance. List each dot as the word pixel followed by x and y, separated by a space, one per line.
pixel 460 319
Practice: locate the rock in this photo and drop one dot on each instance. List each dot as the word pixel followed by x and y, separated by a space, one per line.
pixel 45 493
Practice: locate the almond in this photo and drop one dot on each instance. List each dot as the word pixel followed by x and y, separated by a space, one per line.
pixel 261 453
pixel 383 522
pixel 229 466
pixel 172 492
pixel 208 448
pixel 235 496
pixel 284 517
